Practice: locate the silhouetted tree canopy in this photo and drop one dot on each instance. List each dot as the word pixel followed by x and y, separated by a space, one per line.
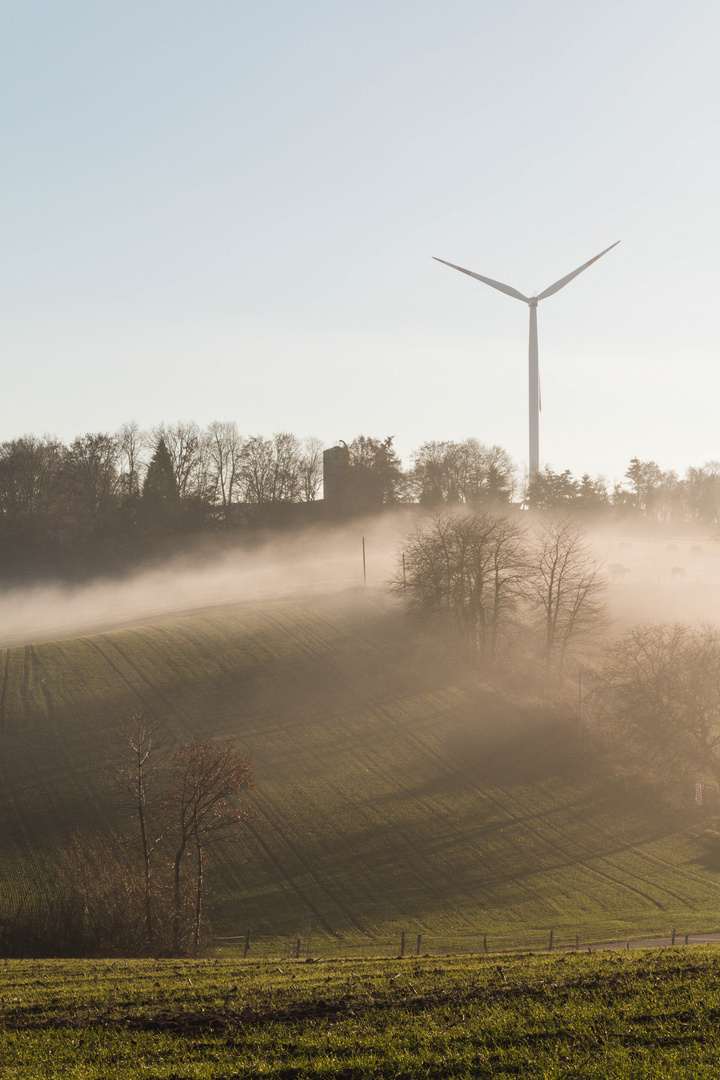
pixel 466 473
pixel 375 473
pixel 160 489
pixel 105 499
pixel 467 568
pixel 659 692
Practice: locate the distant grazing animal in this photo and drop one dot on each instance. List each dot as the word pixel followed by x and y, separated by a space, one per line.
pixel 616 569
pixel 678 571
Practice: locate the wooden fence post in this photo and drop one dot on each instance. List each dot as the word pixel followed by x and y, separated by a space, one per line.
pixel 672 940
pixel 402 943
pixel 551 942
pixel 247 944
pixel 297 949
pixel 485 942
pixel 418 944
pixel 686 938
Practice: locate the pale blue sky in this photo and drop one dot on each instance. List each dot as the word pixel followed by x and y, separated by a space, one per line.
pixel 227 210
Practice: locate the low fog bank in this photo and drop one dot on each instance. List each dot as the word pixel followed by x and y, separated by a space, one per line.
pixel 661 580
pixel 301 564
pixel 650 580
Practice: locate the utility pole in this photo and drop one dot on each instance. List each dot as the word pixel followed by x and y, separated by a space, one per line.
pixel 364 569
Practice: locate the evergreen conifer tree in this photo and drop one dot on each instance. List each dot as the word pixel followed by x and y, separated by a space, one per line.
pixel 160 490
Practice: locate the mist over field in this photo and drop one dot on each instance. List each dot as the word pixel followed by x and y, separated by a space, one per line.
pixel 404 779
pixel 307 563
pixel 649 579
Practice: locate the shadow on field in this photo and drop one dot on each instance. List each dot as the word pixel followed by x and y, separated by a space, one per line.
pixel 392 779
pixel 510 743
pixel 709 857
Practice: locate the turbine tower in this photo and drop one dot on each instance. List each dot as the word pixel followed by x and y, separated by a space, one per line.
pixel 533 373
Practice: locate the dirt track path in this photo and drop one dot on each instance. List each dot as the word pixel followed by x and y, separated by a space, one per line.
pixel 653 943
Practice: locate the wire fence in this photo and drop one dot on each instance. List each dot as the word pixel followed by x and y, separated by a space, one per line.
pixel 314 946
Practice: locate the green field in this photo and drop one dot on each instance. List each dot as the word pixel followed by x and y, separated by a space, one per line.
pixel 637 1014
pixel 395 791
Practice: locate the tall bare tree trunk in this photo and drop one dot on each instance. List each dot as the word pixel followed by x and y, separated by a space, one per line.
pixel 146 861
pixel 177 898
pixel 198 899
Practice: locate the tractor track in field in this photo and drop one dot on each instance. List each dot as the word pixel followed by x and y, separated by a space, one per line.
pixel 21 839
pixel 406 848
pixel 319 658
pixel 407 852
pixel 42 683
pixel 606 857
pixel 307 636
pixel 25 685
pixel 111 663
pixel 597 856
pixel 562 853
pixel 286 877
pixel 3 692
pixel 565 856
pixel 372 707
pixel 59 746
pixel 272 818
pixel 411 852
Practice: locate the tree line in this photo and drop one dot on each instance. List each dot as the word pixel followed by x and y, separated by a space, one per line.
pixel 104 496
pixel 107 496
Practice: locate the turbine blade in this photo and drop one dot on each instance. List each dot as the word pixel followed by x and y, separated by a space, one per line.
pixel 488 281
pixel 563 281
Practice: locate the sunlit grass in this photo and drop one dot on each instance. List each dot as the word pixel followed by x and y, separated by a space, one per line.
pixel 633 1014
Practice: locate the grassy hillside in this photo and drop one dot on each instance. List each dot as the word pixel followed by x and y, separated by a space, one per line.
pixel 394 790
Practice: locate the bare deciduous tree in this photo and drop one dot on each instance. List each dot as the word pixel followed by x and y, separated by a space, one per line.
pixel 468 568
pixel 702 492
pixel 202 799
pixel 224 449
pixel 183 441
pixel 287 463
pixel 272 469
pixel 90 474
pixel 257 470
pixel 311 469
pixel 566 587
pixel 147 748
pixel 131 443
pixel 659 689
pixel 29 478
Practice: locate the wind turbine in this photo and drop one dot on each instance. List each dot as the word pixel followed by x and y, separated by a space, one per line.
pixel 533 374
